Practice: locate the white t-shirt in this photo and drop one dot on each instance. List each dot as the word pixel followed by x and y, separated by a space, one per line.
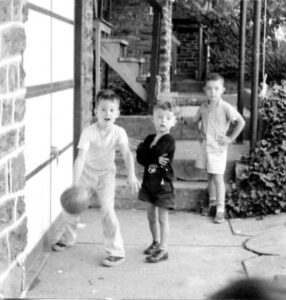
pixel 101 150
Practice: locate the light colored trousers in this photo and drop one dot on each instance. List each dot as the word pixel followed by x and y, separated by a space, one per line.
pixel 104 185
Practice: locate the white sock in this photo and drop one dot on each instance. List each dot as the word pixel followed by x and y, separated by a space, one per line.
pixel 220 208
pixel 212 202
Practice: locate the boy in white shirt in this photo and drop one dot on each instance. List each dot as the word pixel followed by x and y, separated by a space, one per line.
pixel 94 168
pixel 213 119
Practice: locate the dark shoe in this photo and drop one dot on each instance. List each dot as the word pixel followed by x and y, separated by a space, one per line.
pixel 219 218
pixel 159 255
pixel 206 211
pixel 113 261
pixel 60 246
pixel 209 211
pixel 152 248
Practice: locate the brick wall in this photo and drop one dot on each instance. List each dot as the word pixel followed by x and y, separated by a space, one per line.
pixel 186 29
pixel 13 219
pixel 188 55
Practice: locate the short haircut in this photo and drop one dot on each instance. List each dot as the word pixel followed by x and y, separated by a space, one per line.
pixel 104 95
pixel 214 77
pixel 166 105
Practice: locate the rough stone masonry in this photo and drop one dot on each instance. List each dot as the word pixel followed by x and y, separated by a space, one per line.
pixel 13 219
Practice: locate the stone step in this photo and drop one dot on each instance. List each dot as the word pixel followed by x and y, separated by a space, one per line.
pixel 184 161
pixel 197 98
pixel 189 195
pixel 186 85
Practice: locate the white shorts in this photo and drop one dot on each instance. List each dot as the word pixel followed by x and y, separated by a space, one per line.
pixel 214 162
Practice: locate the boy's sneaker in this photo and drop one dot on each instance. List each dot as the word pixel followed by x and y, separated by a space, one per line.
pixel 113 261
pixel 206 211
pixel 60 246
pixel 159 255
pixel 209 211
pixel 219 218
pixel 152 248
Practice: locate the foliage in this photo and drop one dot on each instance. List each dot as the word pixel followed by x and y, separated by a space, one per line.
pixel 130 103
pixel 275 63
pixel 261 187
pixel 222 19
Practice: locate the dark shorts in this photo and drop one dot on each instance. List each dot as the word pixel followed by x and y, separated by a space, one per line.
pixel 161 195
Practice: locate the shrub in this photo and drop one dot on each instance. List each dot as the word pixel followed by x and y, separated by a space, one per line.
pixel 261 188
pixel 130 103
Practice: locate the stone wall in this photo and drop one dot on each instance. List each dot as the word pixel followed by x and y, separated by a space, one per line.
pixel 166 45
pixel 132 20
pixel 13 219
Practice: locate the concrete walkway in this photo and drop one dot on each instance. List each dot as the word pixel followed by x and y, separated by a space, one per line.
pixel 203 257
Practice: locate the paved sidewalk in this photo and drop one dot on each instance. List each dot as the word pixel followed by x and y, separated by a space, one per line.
pixel 203 257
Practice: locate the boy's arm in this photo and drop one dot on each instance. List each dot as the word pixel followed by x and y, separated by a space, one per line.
pixel 239 124
pixel 78 166
pixel 141 155
pixel 197 123
pixel 132 180
pixel 166 153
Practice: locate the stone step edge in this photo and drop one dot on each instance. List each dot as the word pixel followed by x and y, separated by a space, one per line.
pixel 189 195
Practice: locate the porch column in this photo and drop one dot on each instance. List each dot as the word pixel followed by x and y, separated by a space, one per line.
pixel 243 9
pixel 84 62
pixel 166 46
pixel 255 73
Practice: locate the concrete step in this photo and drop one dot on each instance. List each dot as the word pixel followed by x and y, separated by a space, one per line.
pixel 184 161
pixel 197 98
pixel 139 127
pixel 189 195
pixel 187 85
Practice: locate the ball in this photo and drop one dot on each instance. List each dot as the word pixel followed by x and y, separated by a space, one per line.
pixel 75 199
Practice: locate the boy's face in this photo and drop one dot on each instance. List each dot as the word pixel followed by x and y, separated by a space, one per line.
pixel 107 112
pixel 214 90
pixel 164 120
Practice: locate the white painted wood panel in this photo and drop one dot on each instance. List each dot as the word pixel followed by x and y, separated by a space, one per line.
pixel 48 58
pixel 62 50
pixel 37 55
pixel 37 193
pixel 64 8
pixel 38 131
pixel 61 178
pixel 62 118
pixel 46 4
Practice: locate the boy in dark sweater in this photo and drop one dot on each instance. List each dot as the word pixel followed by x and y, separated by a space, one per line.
pixel 156 155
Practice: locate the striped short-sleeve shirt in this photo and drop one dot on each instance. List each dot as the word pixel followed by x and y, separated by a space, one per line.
pixel 215 121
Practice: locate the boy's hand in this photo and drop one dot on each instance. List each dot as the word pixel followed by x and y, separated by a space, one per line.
pixel 224 140
pixel 133 183
pixel 163 160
